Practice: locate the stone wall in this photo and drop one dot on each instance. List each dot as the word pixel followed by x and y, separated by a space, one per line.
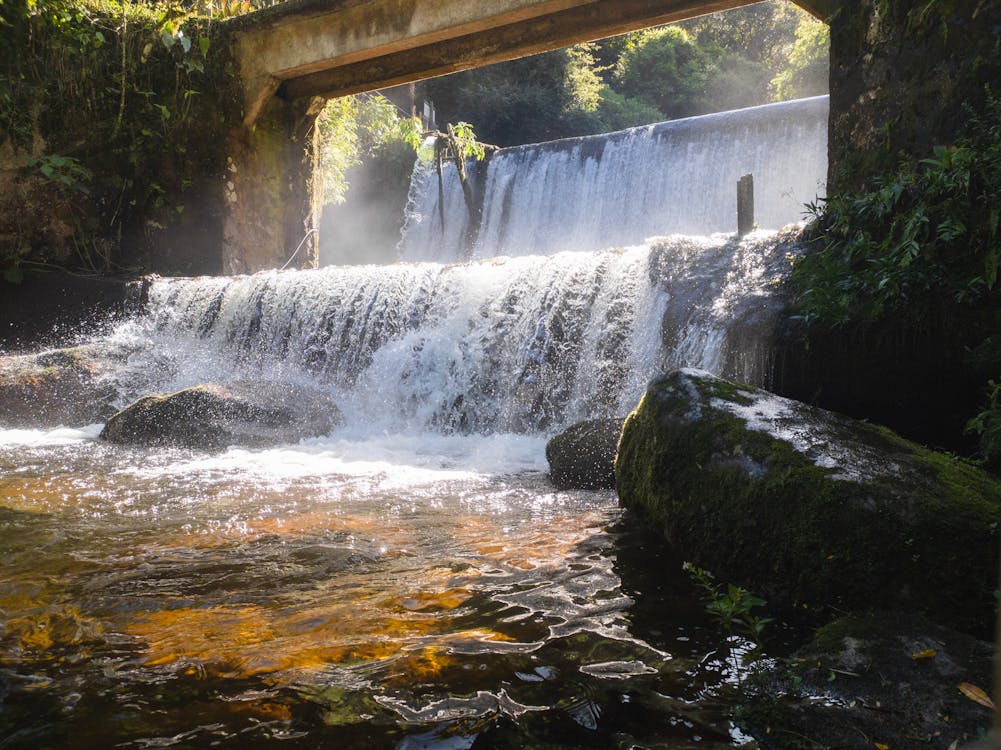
pixel 901 73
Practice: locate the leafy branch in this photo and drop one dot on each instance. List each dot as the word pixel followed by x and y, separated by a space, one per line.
pixel 730 606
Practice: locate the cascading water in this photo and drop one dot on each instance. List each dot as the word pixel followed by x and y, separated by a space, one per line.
pixel 618 189
pixel 412 579
pixel 521 345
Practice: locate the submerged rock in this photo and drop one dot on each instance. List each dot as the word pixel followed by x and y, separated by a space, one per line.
pixel 897 681
pixel 805 506
pixel 214 416
pixel 58 387
pixel 583 456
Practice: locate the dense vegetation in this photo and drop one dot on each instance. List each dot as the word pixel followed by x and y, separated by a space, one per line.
pixel 96 100
pixel 921 250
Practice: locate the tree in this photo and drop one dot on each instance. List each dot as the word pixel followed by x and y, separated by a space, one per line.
pixel 667 69
pixel 806 73
pixel 352 129
pixel 552 95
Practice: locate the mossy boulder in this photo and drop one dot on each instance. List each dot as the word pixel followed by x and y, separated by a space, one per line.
pixel 59 387
pixel 583 455
pixel 214 416
pixel 808 507
pixel 886 679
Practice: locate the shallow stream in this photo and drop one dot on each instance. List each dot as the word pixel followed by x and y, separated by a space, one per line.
pixel 406 591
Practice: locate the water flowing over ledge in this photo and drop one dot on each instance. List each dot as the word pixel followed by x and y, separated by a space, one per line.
pixel 617 189
pixel 521 344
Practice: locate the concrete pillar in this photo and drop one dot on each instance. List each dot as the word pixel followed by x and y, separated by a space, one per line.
pixel 269 210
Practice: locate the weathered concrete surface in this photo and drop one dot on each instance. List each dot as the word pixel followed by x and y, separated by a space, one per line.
pixel 337 47
pixel 269 208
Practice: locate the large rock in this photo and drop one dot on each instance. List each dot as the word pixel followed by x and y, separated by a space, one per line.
pixel 583 455
pixel 809 507
pixel 58 387
pixel 214 416
pixel 889 679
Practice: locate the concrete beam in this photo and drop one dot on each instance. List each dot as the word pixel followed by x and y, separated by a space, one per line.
pixel 338 47
pixel 516 38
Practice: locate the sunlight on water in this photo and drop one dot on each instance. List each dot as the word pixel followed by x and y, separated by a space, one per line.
pixel 373 592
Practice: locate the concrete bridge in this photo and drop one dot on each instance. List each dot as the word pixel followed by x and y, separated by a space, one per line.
pixel 295 55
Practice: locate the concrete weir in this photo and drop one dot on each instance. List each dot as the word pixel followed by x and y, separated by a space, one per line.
pixel 295 55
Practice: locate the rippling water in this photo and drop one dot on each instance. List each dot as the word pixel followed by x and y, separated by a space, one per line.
pixel 406 591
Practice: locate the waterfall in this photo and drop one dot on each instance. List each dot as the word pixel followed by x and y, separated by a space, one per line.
pixel 618 189
pixel 565 310
pixel 522 344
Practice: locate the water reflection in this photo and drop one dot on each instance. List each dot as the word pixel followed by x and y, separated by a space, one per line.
pixel 169 598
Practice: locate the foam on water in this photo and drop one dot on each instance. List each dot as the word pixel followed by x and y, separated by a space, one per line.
pixel 506 345
pixel 51 437
pixel 401 460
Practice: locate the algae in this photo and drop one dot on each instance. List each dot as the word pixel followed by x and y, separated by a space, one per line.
pixel 757 511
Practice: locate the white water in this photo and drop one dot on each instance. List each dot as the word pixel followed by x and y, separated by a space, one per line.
pixel 521 345
pixel 618 189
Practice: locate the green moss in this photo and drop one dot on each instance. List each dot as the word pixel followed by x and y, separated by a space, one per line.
pixel 757 511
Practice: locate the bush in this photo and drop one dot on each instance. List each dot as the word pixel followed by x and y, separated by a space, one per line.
pixel 927 233
pixel 668 70
pixel 917 257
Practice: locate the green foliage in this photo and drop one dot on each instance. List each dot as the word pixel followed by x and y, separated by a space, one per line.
pixel 922 245
pixel 762 33
pixel 987 424
pixel 63 169
pixel 581 81
pixel 730 606
pixel 104 100
pixel 351 129
pixel 666 68
pixel 720 61
pixel 619 111
pixel 925 235
pixel 547 96
pixel 806 73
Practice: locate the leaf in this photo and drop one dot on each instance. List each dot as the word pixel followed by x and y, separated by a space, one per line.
pixel 203 45
pixel 976 695
pixel 881 746
pixel 185 42
pixel 928 653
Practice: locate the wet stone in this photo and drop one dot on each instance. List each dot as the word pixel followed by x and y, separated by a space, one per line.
pixel 214 416
pixel 583 456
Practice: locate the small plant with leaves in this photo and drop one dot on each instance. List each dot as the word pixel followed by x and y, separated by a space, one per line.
pixel 987 425
pixel 926 235
pixel 731 607
pixel 65 170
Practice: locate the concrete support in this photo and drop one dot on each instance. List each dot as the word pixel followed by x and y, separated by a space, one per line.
pixel 269 207
pixel 904 78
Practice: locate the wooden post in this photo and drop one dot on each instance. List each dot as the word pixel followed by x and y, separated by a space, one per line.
pixel 745 205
